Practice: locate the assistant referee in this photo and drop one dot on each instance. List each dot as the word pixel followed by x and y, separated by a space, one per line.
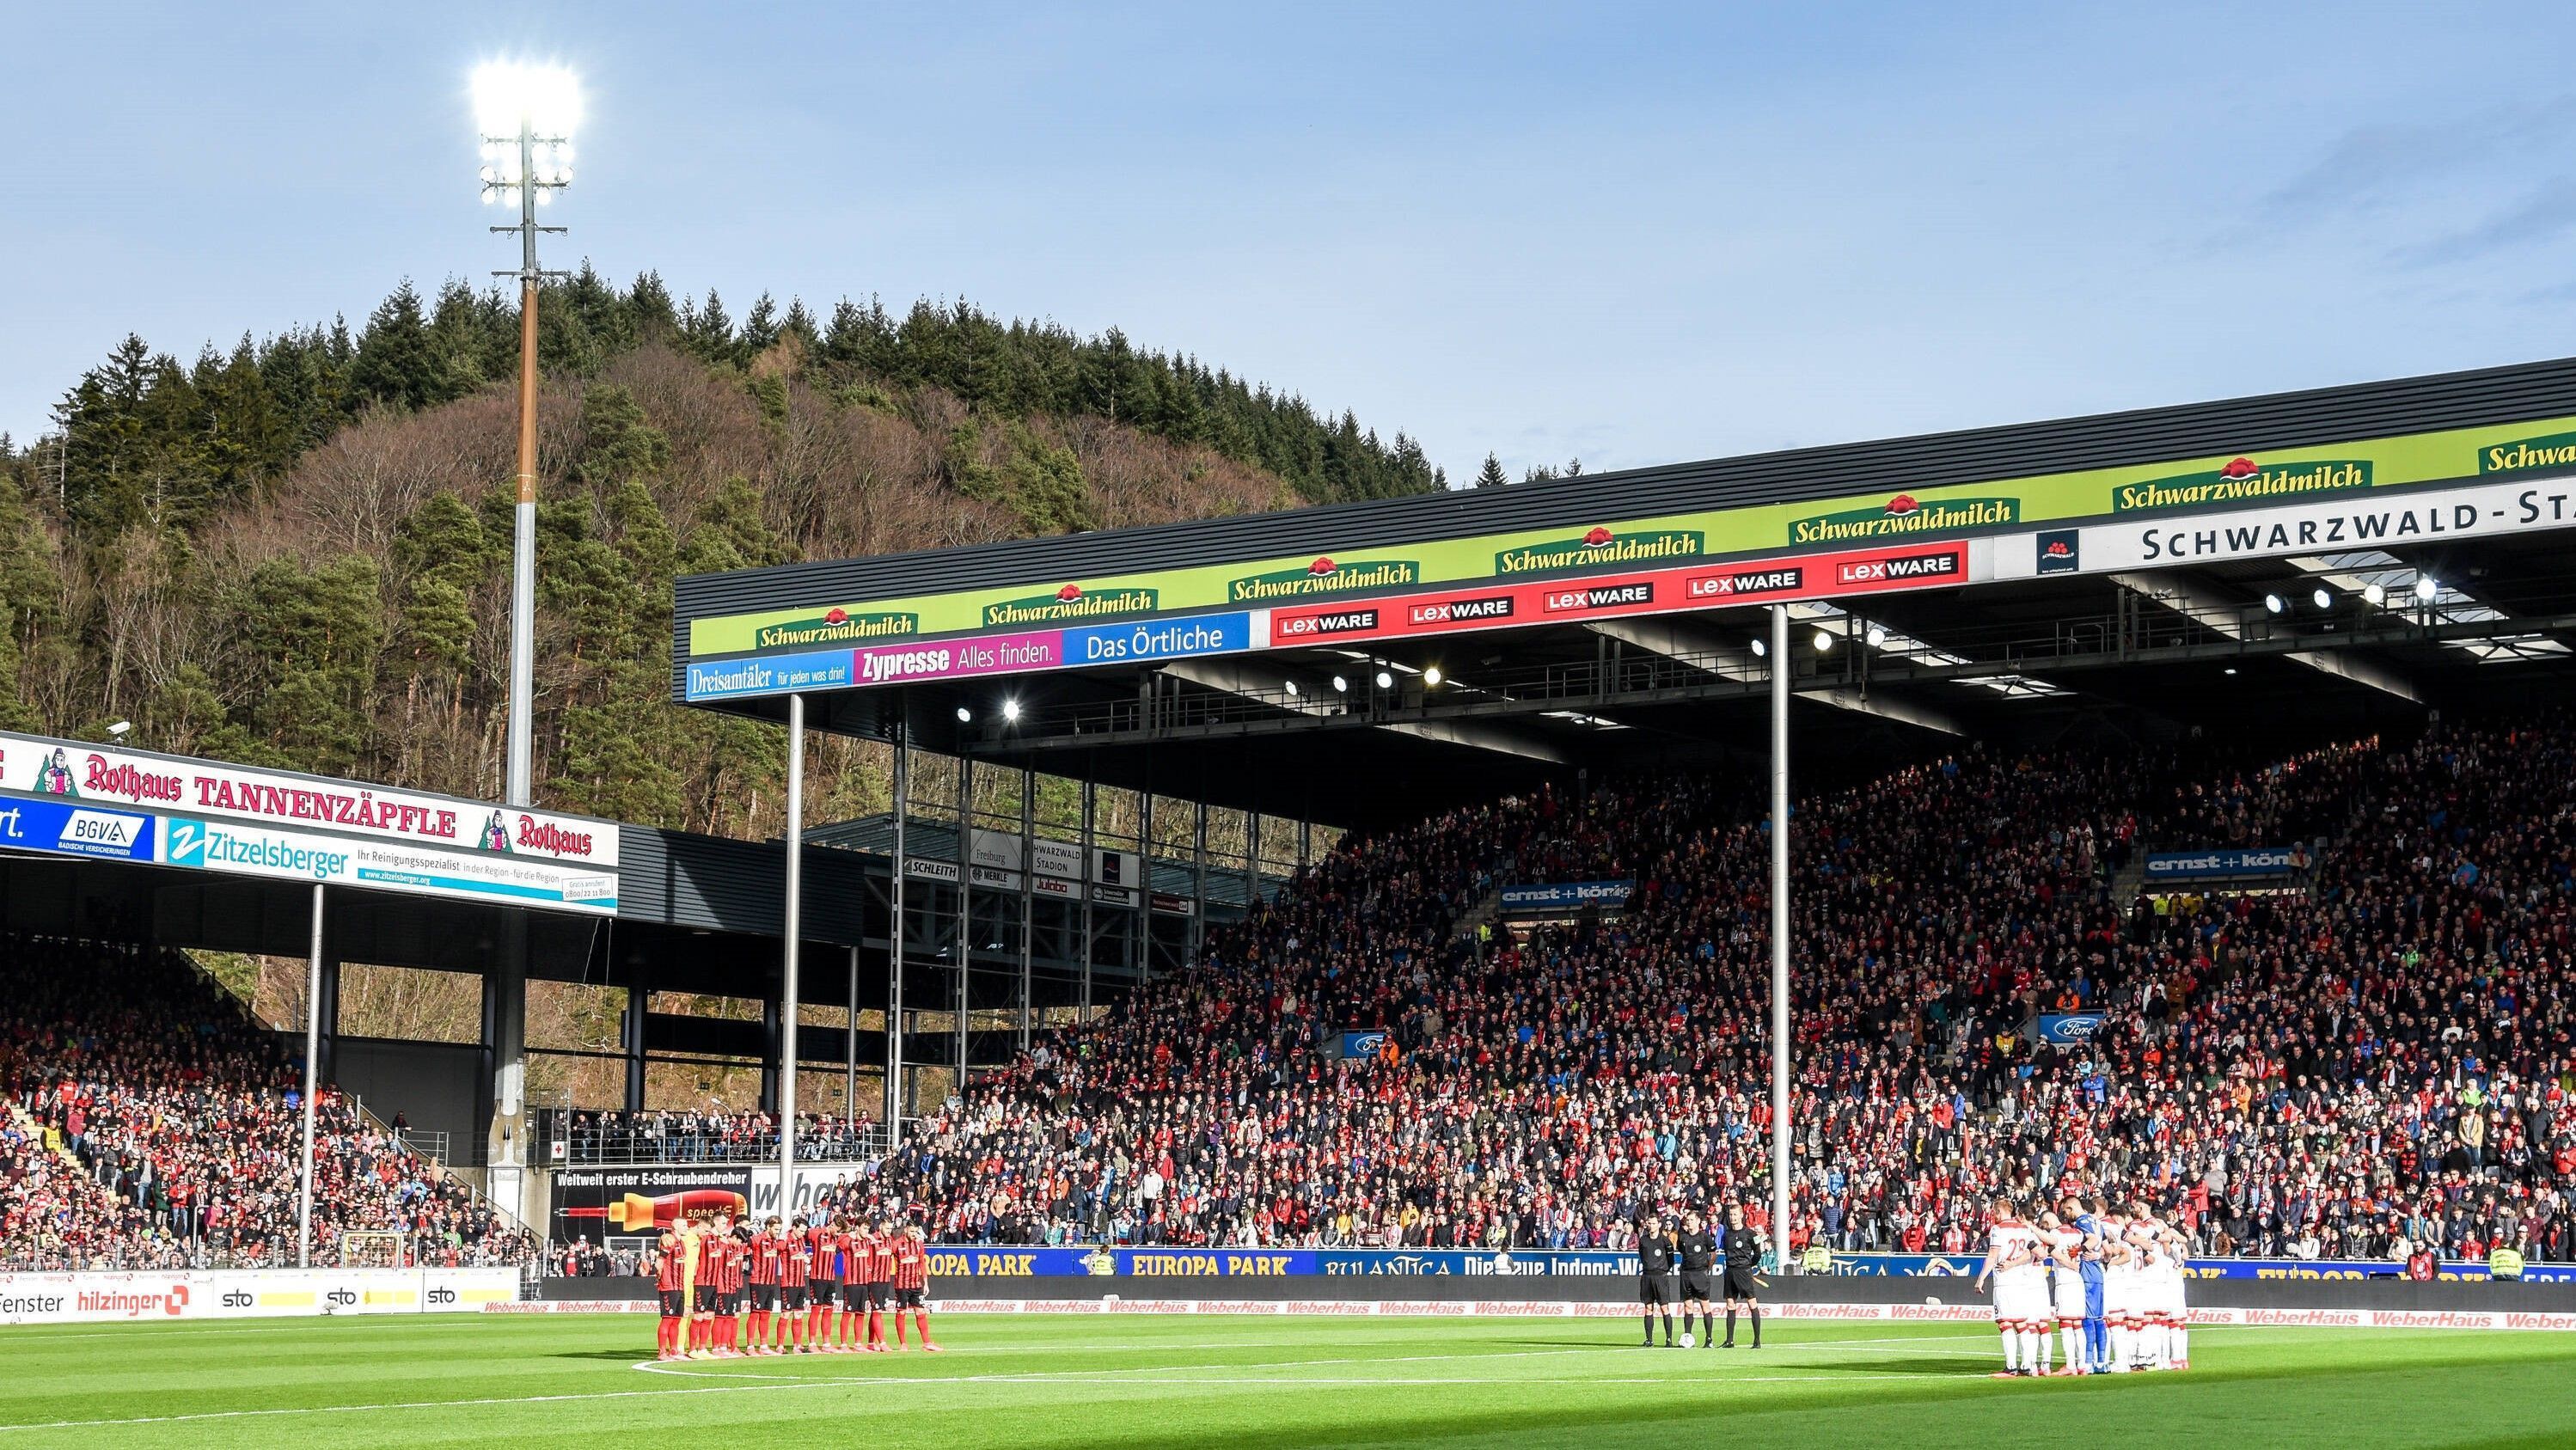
pixel 1655 1255
pixel 1743 1265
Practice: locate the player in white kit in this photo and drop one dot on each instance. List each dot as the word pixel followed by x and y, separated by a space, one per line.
pixel 2064 1244
pixel 2022 1311
pixel 2119 1291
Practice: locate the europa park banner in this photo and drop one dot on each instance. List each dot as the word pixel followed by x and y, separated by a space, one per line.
pixel 1297 597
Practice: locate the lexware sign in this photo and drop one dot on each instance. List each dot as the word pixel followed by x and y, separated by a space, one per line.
pixel 103 776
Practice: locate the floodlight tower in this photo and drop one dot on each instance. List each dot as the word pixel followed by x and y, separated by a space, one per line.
pixel 525 116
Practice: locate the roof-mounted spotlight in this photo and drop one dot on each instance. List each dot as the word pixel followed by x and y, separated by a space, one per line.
pixel 965 716
pixel 1824 642
pixel 1011 710
pixel 1341 685
pixel 2374 594
pixel 1431 676
pixel 2324 599
pixel 1385 681
pixel 2274 603
pixel 2426 588
pixel 1760 649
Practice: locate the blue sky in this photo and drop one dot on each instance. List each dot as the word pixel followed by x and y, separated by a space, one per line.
pixel 1631 234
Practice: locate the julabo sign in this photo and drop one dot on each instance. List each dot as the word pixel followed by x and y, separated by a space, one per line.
pixel 1605 565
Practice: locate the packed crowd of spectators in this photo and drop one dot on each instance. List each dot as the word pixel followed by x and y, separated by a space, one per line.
pixel 2364 1060
pixel 147 1122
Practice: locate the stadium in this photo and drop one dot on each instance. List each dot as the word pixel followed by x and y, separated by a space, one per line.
pixel 2061 932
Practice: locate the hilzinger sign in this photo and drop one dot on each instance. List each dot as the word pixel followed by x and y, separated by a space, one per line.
pixel 2386 491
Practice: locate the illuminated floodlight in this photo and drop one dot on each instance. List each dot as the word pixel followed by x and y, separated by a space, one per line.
pixel 1385 681
pixel 1431 676
pixel 1824 642
pixel 2374 594
pixel 965 716
pixel 2323 599
pixel 1341 686
pixel 2274 603
pixel 2425 588
pixel 1011 710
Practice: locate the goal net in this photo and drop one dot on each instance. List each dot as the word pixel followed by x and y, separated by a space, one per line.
pixel 373 1248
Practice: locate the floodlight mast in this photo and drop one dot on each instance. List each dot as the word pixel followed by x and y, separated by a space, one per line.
pixel 524 116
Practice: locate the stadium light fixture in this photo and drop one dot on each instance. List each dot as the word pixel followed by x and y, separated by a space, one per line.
pixel 1292 689
pixel 118 729
pixel 2374 594
pixel 1824 642
pixel 524 117
pixel 1431 676
pixel 1011 711
pixel 965 716
pixel 1760 649
pixel 2274 603
pixel 1341 685
pixel 2323 598
pixel 2425 588
pixel 1877 636
pixel 1385 681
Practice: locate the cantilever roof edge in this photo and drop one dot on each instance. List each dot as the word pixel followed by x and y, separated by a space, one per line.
pixel 2271 421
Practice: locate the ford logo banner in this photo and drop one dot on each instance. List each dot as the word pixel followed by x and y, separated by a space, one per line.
pixel 2066 1029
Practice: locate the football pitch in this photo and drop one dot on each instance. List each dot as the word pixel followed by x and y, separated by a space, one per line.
pixel 1255 1381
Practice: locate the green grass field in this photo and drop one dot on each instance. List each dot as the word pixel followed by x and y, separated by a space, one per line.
pixel 1251 1382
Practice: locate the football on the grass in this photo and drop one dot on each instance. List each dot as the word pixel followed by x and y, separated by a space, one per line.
pixel 1687 1341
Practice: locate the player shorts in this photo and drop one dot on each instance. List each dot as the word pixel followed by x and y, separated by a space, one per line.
pixel 729 1303
pixel 2021 1297
pixel 1695 1284
pixel 2067 1291
pixel 764 1297
pixel 908 1298
pixel 674 1303
pixel 1739 1283
pixel 827 1292
pixel 706 1299
pixel 1655 1289
pixel 855 1296
pixel 791 1297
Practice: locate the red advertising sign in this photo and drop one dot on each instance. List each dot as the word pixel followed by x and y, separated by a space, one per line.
pixel 1657 591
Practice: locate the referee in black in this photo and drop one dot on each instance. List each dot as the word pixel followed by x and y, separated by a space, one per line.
pixel 1743 1262
pixel 1655 1256
pixel 1698 1249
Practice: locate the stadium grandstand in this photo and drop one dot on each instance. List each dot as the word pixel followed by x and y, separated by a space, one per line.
pixel 2151 837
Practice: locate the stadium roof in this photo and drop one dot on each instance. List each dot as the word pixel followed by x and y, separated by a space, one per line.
pixel 2235 639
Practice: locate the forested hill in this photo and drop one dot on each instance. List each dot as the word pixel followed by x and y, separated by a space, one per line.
pixel 296 552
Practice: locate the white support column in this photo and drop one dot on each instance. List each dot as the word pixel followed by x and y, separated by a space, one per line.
pixel 793 932
pixel 312 1086
pixel 965 907
pixel 894 941
pixel 1028 892
pixel 1780 1126
pixel 1090 848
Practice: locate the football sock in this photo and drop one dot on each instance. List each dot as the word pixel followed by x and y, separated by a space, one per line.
pixel 1668 1326
pixel 2012 1345
pixel 2180 1339
pixel 1756 1311
pixel 2035 1349
pixel 2073 1334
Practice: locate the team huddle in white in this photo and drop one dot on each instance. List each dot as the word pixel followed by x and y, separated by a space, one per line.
pixel 2112 1287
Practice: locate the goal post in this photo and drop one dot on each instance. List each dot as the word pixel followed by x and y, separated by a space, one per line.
pixel 374 1248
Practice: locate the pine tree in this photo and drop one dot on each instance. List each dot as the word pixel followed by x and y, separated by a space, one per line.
pixel 1491 475
pixel 395 364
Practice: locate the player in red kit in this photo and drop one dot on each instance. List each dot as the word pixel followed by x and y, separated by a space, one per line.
pixel 911 1279
pixel 728 1249
pixel 854 1286
pixel 671 1282
pixel 764 1285
pixel 823 1264
pixel 790 1249
pixel 881 1268
pixel 870 1284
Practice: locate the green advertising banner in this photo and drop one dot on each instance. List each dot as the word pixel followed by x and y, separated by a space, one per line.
pixel 2191 485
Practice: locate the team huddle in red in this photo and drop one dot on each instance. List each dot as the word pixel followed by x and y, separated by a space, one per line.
pixel 715 1275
